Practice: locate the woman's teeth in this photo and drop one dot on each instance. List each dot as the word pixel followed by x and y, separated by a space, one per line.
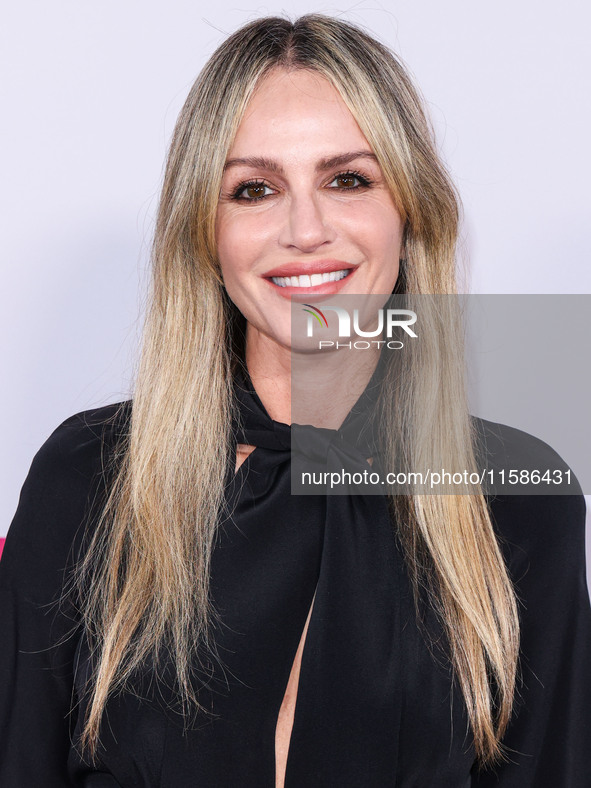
pixel 310 281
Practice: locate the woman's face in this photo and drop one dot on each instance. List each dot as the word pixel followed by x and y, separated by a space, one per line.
pixel 303 201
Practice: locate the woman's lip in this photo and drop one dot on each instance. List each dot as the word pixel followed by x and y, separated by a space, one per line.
pixel 324 288
pixel 303 269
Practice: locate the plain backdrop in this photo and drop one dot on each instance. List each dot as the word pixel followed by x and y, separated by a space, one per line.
pixel 90 93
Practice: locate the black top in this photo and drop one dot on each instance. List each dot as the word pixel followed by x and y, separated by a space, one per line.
pixel 376 705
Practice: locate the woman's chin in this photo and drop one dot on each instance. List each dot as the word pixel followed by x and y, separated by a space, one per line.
pixel 285 342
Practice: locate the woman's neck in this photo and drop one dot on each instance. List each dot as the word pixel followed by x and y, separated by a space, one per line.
pixel 307 388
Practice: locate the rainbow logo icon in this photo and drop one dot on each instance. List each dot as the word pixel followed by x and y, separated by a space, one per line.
pixel 315 312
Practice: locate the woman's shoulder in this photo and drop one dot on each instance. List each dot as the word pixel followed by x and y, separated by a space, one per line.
pixel 79 436
pixel 505 447
pixel 66 480
pixel 78 450
pixel 539 511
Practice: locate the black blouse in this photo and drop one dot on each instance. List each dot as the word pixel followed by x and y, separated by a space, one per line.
pixel 377 704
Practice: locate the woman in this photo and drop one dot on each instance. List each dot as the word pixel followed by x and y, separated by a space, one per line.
pixel 206 599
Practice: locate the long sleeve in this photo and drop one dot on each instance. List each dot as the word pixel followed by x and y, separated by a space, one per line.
pixel 549 737
pixel 40 633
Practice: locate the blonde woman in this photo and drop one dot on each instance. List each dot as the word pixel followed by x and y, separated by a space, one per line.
pixel 171 614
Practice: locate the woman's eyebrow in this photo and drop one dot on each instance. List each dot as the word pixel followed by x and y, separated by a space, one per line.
pixel 327 163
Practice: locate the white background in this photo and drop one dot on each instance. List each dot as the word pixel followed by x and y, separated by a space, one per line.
pixel 90 93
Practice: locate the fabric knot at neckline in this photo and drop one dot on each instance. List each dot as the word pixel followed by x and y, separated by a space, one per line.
pixel 316 443
pixel 313 450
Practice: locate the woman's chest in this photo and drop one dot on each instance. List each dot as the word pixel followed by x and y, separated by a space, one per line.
pixel 341 692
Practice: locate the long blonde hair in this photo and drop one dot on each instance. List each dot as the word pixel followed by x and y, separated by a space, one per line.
pixel 145 575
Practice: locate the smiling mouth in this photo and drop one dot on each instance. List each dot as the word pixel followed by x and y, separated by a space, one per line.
pixel 310 280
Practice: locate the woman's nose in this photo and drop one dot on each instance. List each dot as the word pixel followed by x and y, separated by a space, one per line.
pixel 306 225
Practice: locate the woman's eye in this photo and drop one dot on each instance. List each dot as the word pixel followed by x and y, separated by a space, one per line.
pixel 349 180
pixel 251 192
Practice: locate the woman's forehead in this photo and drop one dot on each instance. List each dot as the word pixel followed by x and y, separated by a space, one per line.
pixel 298 113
